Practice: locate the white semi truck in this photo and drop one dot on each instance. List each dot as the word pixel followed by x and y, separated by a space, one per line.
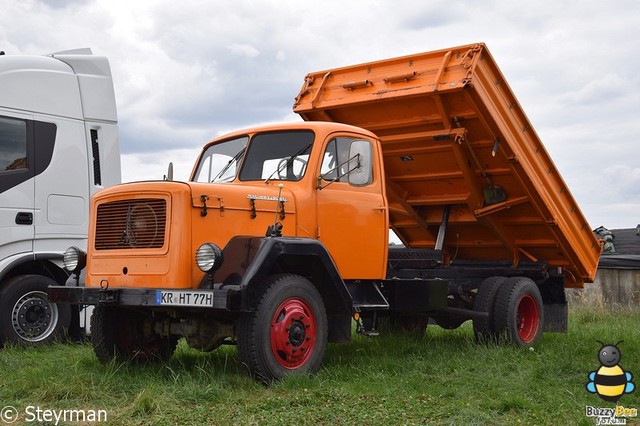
pixel 58 145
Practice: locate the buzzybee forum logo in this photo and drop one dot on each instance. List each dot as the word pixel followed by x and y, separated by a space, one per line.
pixel 610 382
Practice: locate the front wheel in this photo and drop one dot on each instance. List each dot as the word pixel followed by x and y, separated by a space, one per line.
pixel 287 333
pixel 518 311
pixel 26 315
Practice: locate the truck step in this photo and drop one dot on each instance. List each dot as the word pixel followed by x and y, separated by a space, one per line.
pixel 366 296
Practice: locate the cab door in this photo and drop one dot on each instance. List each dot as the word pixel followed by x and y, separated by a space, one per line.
pixel 352 216
pixel 17 185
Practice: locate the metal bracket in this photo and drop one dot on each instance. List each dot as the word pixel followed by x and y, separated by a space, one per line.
pixel 252 202
pixel 204 199
pixel 107 296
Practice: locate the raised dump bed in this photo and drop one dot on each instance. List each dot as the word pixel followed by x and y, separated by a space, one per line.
pixel 457 145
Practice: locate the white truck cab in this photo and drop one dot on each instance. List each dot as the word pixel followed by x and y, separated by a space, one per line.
pixel 58 145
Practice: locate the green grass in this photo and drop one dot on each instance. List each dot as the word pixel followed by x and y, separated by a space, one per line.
pixel 442 377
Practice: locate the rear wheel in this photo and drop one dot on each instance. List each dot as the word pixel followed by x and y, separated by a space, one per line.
pixel 484 328
pixel 519 311
pixel 26 315
pixel 287 333
pixel 127 335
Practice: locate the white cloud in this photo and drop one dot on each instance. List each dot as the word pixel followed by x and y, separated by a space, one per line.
pixel 154 166
pixel 243 50
pixel 623 179
pixel 187 71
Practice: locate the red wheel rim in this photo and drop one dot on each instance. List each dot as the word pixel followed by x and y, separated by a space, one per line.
pixel 528 318
pixel 293 333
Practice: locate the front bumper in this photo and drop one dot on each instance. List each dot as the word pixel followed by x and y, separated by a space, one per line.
pixel 228 298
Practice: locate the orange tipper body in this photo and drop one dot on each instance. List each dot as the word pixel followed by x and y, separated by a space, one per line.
pixel 168 221
pixel 453 134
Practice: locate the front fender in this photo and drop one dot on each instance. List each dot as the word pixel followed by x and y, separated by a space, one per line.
pixel 248 261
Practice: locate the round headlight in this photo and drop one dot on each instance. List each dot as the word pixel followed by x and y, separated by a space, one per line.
pixel 208 257
pixel 74 259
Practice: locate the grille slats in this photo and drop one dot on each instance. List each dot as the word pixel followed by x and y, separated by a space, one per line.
pixel 131 224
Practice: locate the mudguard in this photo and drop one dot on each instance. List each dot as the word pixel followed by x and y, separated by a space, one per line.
pixel 249 260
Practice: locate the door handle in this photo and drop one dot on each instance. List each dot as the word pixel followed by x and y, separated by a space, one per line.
pixel 24 218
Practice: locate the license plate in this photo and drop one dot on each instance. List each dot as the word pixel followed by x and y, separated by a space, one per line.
pixel 184 298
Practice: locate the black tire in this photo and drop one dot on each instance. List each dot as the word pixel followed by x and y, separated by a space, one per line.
pixel 519 312
pixel 484 330
pixel 27 318
pixel 125 335
pixel 287 333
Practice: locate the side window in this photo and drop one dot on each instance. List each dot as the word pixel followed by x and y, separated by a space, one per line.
pixel 341 160
pixel 18 162
pixel 13 145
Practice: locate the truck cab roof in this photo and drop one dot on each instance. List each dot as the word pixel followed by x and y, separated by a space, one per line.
pixel 74 84
pixel 318 126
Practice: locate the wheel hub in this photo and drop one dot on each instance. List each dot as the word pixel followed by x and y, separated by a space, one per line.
pixel 33 317
pixel 296 334
pixel 528 318
pixel 293 333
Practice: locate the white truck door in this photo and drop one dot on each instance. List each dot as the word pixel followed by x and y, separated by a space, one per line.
pixel 61 186
pixel 17 186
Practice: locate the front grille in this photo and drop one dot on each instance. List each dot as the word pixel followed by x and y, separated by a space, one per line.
pixel 131 224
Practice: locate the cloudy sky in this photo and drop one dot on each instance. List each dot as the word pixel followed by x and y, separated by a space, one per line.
pixel 187 71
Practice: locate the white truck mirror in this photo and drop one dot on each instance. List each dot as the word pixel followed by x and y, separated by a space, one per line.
pixel 360 166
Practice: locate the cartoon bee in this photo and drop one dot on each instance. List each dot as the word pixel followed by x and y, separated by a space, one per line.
pixel 610 381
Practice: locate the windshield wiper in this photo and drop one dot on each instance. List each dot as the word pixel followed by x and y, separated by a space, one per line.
pixel 286 164
pixel 226 167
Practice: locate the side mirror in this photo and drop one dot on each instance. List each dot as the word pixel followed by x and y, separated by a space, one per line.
pixel 169 175
pixel 360 173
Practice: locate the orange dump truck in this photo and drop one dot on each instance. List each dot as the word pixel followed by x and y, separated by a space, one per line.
pixel 280 238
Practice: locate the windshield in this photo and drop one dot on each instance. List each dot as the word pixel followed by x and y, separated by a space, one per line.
pixel 278 156
pixel 219 163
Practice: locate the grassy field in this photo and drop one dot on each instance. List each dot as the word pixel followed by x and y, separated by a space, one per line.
pixel 442 377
